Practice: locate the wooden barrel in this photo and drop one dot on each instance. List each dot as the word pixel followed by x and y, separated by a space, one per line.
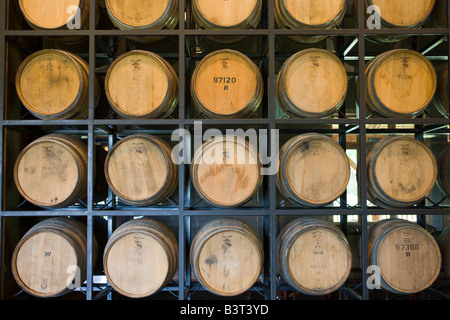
pixel 313 256
pixel 140 84
pixel 444 246
pixel 55 14
pixel 312 83
pixel 226 84
pixel 313 170
pixel 226 256
pixel 407 255
pixel 228 15
pixel 51 172
pixel 309 15
pixel 401 172
pixel 400 83
pixel 441 97
pixel 397 15
pixel 53 84
pixel 443 178
pixel 140 171
pixel 143 15
pixel 51 258
pixel 140 258
pixel 225 172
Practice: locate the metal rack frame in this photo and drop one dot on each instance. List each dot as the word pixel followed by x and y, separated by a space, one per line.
pixel 182 213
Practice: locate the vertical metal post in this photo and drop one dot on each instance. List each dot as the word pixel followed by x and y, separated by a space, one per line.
pixel 271 76
pixel 91 145
pixel 2 112
pixel 182 166
pixel 363 143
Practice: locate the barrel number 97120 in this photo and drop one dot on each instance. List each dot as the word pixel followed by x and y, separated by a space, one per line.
pixel 225 81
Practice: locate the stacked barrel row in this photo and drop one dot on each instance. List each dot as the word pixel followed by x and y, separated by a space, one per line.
pixel 140 258
pixel 389 77
pixel 52 84
pixel 245 14
pixel 227 257
pixel 313 171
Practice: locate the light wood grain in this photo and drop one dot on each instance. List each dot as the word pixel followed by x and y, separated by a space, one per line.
pixel 400 83
pixel 226 172
pixel 407 255
pixel 401 171
pixel 313 170
pixel 309 14
pixel 139 14
pixel 313 256
pixel 222 14
pixel 313 12
pixel 140 257
pixel 45 259
pixel 51 171
pixel 140 171
pixel 50 82
pixel 141 84
pixel 53 84
pixel 312 83
pixel 397 13
pixel 226 84
pixel 52 14
pixel 226 256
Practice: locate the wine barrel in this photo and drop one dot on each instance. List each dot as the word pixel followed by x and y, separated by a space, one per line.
pixel 313 170
pixel 53 84
pixel 309 15
pixel 313 256
pixel 395 14
pixel 51 172
pixel 51 258
pixel 225 172
pixel 444 246
pixel 226 256
pixel 226 84
pixel 143 15
pixel 140 84
pixel 401 172
pixel 400 83
pixel 441 97
pixel 55 14
pixel 228 15
pixel 140 171
pixel 443 178
pixel 312 84
pixel 407 255
pixel 140 257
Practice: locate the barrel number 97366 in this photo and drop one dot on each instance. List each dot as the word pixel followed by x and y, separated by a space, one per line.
pixel 407 248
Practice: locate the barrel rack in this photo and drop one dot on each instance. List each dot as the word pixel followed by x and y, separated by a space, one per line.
pixel 182 212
